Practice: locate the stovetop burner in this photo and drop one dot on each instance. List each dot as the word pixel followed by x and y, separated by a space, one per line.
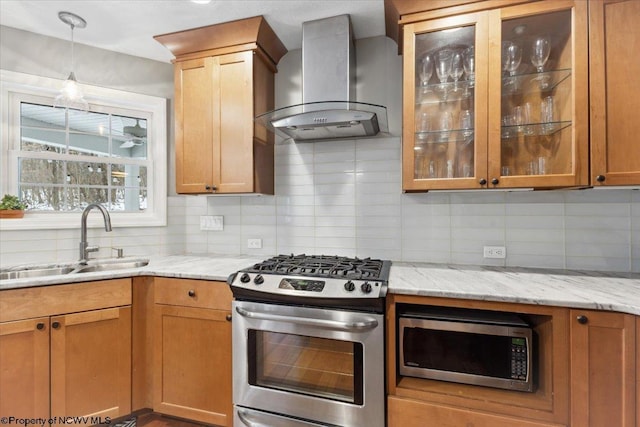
pixel 322 266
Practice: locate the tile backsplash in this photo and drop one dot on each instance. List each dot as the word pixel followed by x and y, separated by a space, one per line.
pixel 345 198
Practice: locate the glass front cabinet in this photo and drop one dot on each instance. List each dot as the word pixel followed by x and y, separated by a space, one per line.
pixel 496 98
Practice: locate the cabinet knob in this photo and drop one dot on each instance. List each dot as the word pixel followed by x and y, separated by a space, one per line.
pixel 55 325
pixel 40 326
pixel 582 319
pixel 210 188
pixel 483 181
pixel 600 178
pixel 495 181
pixel 191 293
pixel 228 317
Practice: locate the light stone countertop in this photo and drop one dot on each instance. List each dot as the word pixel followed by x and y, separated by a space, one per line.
pixel 565 288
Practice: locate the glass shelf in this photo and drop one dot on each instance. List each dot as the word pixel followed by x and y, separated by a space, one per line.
pixel 533 129
pixel 444 137
pixel 437 93
pixel 533 82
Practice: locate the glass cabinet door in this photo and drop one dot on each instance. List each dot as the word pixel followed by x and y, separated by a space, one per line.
pixel 538 96
pixel 444 136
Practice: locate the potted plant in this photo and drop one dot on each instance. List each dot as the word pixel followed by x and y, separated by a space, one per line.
pixel 11 207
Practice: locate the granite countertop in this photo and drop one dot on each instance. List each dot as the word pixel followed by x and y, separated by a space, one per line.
pixel 566 288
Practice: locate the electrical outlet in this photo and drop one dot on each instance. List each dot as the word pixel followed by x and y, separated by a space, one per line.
pixel 212 223
pixel 254 243
pixel 495 252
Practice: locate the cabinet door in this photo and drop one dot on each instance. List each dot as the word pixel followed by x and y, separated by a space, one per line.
pixel 194 124
pixel 445 112
pixel 192 366
pixel 615 92
pixel 24 368
pixel 91 363
pixel 538 113
pixel 603 381
pixel 233 142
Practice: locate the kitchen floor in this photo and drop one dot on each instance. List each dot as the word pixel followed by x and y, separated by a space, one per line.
pixel 157 420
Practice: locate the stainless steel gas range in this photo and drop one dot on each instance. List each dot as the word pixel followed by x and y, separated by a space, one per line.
pixel 308 342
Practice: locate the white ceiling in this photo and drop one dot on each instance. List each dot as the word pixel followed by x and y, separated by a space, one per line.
pixel 128 26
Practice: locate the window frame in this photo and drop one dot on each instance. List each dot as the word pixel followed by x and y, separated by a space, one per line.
pixel 18 87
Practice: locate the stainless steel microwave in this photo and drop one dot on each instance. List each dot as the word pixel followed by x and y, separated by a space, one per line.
pixel 466 346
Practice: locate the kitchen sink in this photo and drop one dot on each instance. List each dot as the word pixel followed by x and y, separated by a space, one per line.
pixel 36 271
pixel 110 265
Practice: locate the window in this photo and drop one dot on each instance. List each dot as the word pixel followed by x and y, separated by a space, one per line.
pixel 61 160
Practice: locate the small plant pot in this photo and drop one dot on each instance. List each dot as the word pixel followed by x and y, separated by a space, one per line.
pixel 11 213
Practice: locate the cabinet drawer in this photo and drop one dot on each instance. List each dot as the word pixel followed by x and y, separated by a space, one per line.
pixel 26 303
pixel 413 413
pixel 192 293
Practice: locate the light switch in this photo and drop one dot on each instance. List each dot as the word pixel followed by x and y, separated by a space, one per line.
pixel 211 222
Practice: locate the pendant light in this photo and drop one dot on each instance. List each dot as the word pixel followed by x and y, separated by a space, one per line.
pixel 70 94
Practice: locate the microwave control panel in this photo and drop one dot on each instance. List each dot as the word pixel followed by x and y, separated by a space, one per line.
pixel 519 358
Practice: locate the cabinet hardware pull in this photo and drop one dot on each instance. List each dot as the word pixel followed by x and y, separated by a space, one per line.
pixel 211 188
pixel 483 181
pixel 495 181
pixel 600 178
pixel 582 319
pixel 192 293
pixel 228 317
pixel 40 326
pixel 55 325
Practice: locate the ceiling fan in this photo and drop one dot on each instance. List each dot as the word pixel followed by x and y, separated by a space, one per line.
pixel 137 135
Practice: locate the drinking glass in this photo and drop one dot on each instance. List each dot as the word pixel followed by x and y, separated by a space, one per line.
pixel 547 115
pixel 466 123
pixel 423 124
pixel 446 124
pixel 469 64
pixel 456 68
pixel 540 53
pixel 443 64
pixel 511 56
pixel 426 71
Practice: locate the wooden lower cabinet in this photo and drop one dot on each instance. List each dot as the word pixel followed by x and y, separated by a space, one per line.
pixel 603 371
pixel 192 351
pixel 91 363
pixel 62 364
pixel 403 412
pixel 24 368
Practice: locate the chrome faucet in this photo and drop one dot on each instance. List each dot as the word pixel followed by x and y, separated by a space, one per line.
pixel 84 246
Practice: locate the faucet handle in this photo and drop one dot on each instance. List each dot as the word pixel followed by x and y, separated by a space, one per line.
pixel 119 252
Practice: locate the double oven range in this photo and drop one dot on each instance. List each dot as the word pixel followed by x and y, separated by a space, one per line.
pixel 308 342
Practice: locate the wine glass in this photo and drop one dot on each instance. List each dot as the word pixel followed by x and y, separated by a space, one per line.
pixel 511 56
pixel 456 68
pixel 539 55
pixel 443 69
pixel 469 64
pixel 426 71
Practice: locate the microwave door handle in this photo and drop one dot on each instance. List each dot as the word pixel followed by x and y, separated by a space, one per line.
pixel 365 323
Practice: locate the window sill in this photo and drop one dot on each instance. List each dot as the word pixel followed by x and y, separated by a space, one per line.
pixel 57 221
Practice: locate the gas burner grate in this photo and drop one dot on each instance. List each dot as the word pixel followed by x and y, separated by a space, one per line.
pixel 322 266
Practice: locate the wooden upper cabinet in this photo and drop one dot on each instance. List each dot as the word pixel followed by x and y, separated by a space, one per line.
pixel 224 77
pixel 474 118
pixel 615 92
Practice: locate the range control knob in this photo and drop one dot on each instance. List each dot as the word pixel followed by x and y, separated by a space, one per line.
pixel 349 286
pixel 245 278
pixel 366 287
pixel 259 280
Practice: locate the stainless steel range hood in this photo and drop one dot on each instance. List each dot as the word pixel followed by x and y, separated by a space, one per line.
pixel 329 109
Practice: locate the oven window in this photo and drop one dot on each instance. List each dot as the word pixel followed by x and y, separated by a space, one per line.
pixel 319 367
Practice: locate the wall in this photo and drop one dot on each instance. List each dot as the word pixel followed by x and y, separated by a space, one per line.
pixel 344 197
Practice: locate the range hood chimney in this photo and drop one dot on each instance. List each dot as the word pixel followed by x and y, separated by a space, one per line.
pixel 329 109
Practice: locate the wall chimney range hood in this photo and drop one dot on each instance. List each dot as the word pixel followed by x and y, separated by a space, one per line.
pixel 328 109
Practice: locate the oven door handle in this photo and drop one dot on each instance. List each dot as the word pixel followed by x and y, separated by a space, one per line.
pixel 361 324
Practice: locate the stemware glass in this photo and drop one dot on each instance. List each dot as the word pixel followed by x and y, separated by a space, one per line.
pixel 443 69
pixel 469 64
pixel 540 51
pixel 456 68
pixel 511 56
pixel 426 71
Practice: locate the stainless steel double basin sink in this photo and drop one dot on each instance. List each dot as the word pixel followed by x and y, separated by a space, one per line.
pixel 45 270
